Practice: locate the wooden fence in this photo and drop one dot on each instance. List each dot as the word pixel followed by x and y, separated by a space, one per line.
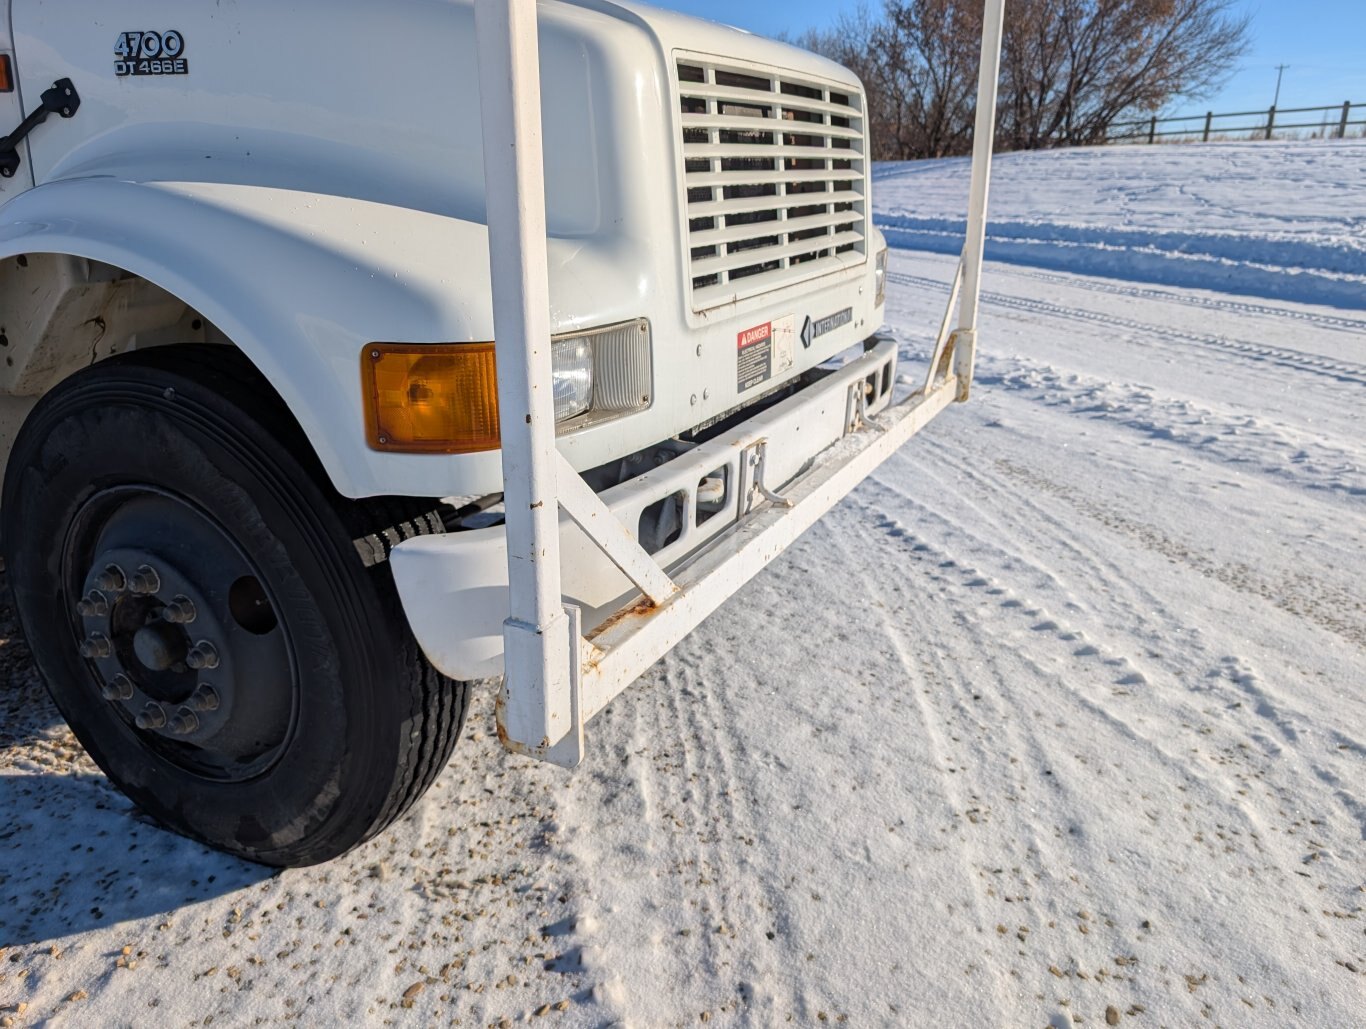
pixel 1334 122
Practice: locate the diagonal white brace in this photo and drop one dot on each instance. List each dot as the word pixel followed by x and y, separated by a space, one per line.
pixel 941 341
pixel 603 528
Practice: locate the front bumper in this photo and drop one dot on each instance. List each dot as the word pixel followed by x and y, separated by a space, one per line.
pixel 454 587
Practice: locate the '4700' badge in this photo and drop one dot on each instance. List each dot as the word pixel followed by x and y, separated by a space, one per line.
pixel 151 53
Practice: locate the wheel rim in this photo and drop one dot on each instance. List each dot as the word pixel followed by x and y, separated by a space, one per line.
pixel 179 633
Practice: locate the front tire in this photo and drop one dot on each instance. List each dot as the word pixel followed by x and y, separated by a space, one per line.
pixel 189 586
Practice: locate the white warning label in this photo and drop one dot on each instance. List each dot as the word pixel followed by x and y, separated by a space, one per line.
pixel 784 344
pixel 765 351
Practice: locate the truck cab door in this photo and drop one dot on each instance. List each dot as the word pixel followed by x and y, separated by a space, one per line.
pixel 11 107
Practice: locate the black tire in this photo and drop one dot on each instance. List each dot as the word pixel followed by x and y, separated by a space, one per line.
pixel 170 452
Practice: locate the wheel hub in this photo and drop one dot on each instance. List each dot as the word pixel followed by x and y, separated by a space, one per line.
pixel 160 646
pixel 166 672
pixel 199 673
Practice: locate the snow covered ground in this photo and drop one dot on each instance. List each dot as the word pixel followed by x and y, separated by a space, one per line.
pixel 1284 222
pixel 1060 719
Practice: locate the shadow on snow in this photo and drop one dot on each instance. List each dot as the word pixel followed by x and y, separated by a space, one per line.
pixel 75 854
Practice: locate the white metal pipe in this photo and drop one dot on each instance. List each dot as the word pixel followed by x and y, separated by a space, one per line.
pixel 536 633
pixel 993 20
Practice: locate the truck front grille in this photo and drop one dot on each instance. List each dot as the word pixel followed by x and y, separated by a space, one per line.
pixel 775 169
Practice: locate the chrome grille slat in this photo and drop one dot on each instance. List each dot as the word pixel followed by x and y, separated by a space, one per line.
pixel 775 175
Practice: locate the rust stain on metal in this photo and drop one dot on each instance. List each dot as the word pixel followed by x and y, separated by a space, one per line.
pixel 941 370
pixel 643 609
pixel 499 709
pixel 509 744
pixel 503 736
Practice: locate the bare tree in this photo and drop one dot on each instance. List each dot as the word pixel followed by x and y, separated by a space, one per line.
pixel 868 45
pixel 1070 68
pixel 940 41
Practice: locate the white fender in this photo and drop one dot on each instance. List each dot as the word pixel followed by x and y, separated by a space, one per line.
pixel 300 282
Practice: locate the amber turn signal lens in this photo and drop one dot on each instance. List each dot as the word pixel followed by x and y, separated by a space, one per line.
pixel 430 399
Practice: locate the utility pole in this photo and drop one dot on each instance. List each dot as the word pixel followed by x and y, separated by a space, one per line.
pixel 1271 114
pixel 1280 73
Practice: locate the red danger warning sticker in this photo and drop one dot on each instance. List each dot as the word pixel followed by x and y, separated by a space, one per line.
pixel 754 360
pixel 766 351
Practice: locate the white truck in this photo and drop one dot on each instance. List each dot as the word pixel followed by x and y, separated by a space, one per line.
pixel 273 495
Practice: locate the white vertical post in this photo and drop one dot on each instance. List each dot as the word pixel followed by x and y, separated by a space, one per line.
pixel 536 710
pixel 965 344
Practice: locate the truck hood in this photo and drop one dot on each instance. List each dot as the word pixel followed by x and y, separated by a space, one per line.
pixel 675 31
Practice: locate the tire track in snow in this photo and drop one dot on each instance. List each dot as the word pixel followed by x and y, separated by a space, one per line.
pixel 966 795
pixel 738 884
pixel 1148 616
pixel 1303 458
pixel 1115 287
pixel 909 656
pixel 1330 607
pixel 1033 620
pixel 684 823
pixel 1302 595
pixel 1226 676
pixel 1338 371
pixel 1019 630
pixel 1097 565
pixel 1206 763
pixel 1041 861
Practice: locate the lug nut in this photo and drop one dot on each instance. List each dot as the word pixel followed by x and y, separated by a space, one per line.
pixel 202 656
pixel 184 722
pixel 96 646
pixel 204 699
pixel 94 605
pixel 112 579
pixel 152 717
pixel 118 688
pixel 145 580
pixel 180 611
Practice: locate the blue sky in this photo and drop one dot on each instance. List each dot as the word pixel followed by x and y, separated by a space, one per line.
pixel 1323 41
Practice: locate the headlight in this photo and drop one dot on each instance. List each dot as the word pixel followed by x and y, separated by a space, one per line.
pixel 602 372
pixel 572 375
pixel 880 278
